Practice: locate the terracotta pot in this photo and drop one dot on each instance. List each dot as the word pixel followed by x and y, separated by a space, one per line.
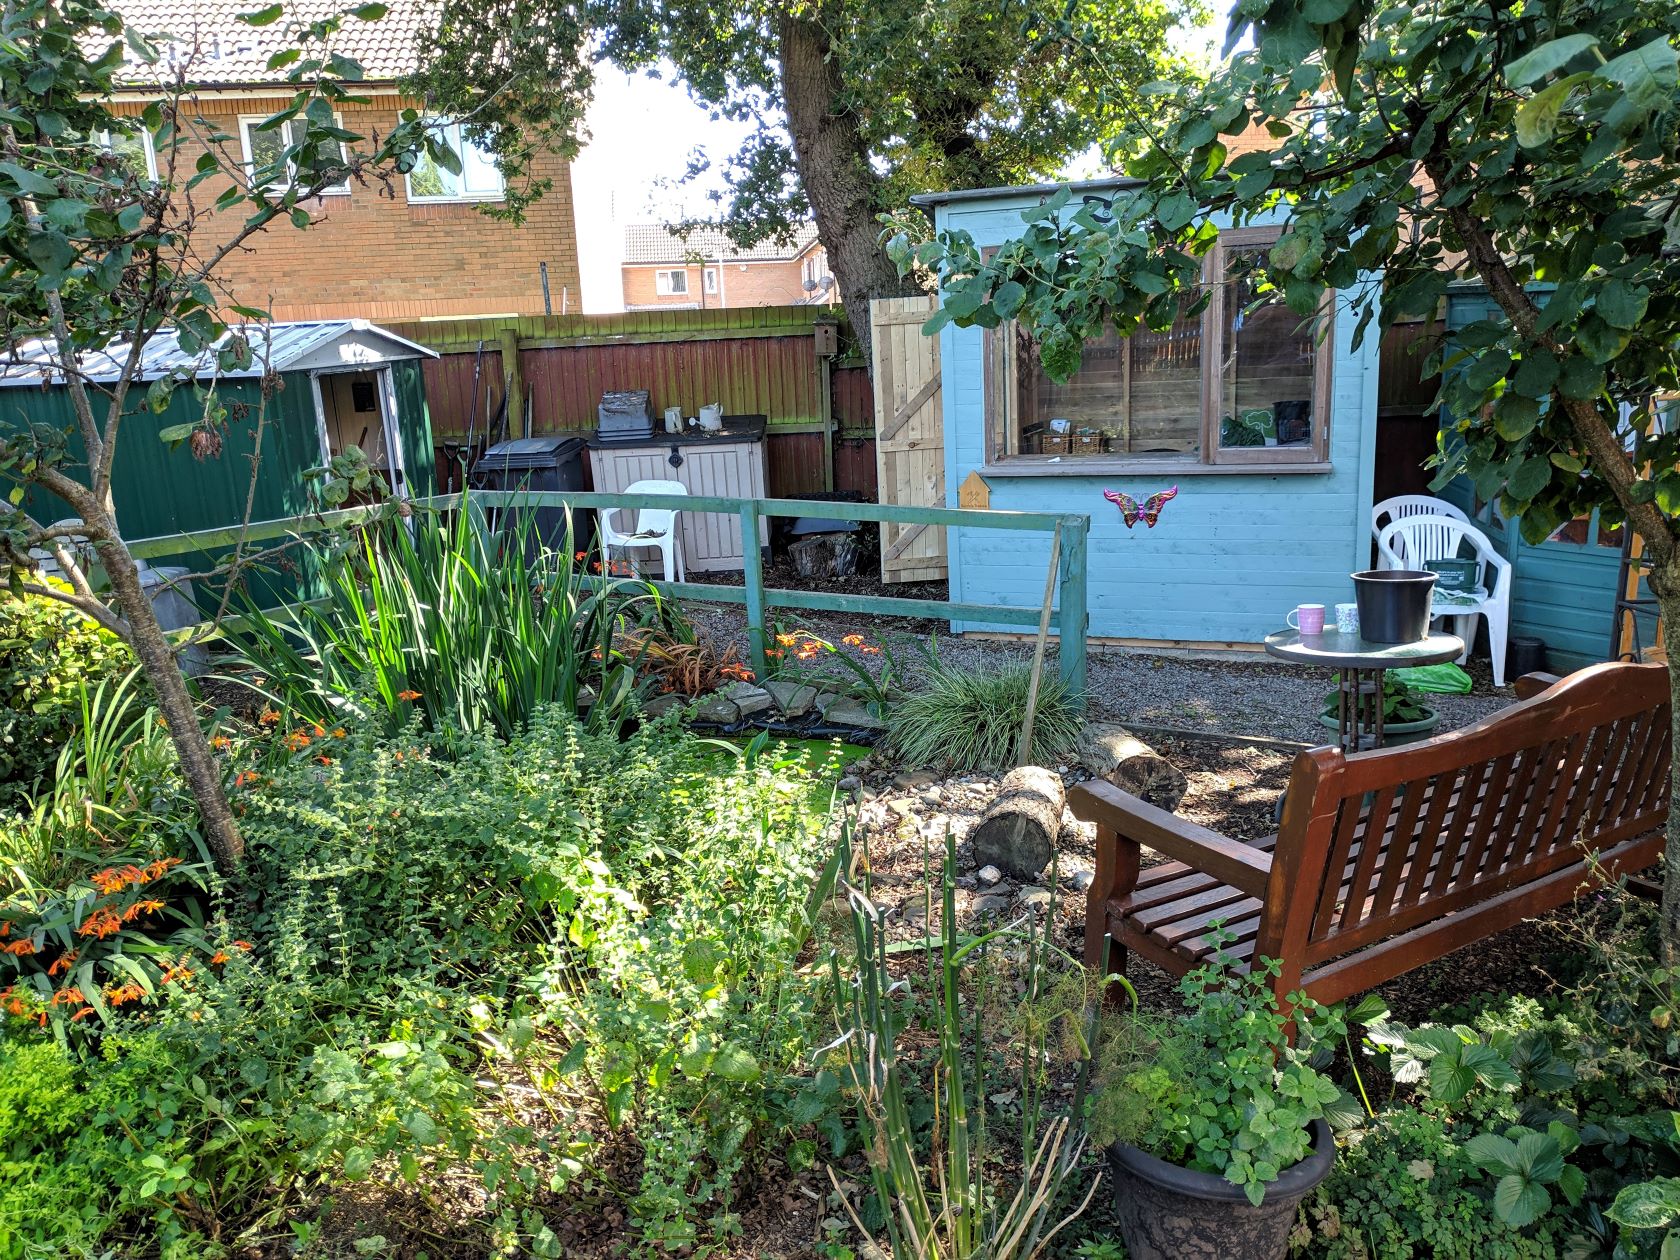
pixel 1171 1213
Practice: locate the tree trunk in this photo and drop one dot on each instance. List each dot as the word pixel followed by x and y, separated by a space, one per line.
pixel 1665 584
pixel 834 170
pixel 1109 751
pixel 1018 831
pixel 163 670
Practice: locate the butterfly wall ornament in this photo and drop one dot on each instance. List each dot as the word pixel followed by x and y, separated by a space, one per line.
pixel 1148 512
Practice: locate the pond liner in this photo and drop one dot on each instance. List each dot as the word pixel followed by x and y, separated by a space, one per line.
pixel 802 730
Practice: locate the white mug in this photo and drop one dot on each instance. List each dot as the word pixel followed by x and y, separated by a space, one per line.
pixel 1347 618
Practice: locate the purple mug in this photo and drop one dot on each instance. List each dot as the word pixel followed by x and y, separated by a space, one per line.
pixel 1308 619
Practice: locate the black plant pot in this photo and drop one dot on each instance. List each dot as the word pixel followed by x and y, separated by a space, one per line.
pixel 1393 604
pixel 1171 1213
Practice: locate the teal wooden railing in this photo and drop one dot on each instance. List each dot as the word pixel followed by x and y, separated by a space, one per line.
pixel 1069 615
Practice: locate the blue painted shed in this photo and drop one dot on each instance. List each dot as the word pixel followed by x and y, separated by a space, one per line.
pixel 1563 590
pixel 1266 427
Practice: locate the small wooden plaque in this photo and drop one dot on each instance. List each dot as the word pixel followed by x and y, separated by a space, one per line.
pixel 974 492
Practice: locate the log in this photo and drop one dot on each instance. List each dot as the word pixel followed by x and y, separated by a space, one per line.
pixel 1109 751
pixel 1019 828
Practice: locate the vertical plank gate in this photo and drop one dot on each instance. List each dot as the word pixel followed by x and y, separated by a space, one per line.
pixel 909 436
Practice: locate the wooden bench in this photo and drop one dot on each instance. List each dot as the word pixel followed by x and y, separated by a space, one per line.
pixel 1389 859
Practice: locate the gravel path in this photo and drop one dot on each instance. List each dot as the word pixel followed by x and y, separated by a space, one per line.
pixel 1234 697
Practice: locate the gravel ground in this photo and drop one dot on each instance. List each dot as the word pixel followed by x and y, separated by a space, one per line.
pixel 1259 697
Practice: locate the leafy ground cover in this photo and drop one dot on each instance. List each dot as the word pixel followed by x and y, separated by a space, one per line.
pixel 516 980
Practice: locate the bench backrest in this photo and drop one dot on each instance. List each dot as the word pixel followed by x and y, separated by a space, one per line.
pixel 1468 815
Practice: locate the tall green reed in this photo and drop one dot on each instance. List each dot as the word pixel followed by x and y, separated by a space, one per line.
pixel 472 627
pixel 943 1209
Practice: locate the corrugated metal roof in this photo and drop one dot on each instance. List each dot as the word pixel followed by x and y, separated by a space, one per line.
pixel 656 243
pixel 32 362
pixel 222 52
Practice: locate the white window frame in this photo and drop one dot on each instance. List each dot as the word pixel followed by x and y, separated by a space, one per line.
pixel 248 123
pixel 107 141
pixel 665 282
pixel 454 137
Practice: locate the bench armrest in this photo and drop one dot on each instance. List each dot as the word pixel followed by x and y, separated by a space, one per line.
pixel 1240 865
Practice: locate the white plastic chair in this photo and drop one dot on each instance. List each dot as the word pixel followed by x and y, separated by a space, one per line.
pixel 1405 506
pixel 1414 541
pixel 656 528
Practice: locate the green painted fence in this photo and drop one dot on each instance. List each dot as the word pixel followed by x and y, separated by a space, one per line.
pixel 1069 617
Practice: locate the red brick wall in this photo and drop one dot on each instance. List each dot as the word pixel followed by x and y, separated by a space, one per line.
pixel 372 254
pixel 740 284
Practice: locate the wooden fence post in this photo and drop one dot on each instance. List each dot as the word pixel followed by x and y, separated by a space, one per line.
pixel 758 636
pixel 1072 618
pixel 513 382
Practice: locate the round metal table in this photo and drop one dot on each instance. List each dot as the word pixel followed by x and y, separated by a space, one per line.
pixel 1359 667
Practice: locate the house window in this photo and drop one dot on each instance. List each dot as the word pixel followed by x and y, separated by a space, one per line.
pixel 670 283
pixel 133 150
pixel 1243 382
pixel 264 150
pixel 480 178
pixel 711 280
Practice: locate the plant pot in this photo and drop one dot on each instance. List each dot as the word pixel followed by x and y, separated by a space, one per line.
pixel 1454 574
pixel 1393 604
pixel 1171 1213
pixel 1395 732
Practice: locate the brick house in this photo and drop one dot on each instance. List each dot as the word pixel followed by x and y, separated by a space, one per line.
pixel 704 269
pixel 408 247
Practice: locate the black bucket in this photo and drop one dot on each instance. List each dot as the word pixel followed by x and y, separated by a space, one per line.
pixel 1393 604
pixel 1527 656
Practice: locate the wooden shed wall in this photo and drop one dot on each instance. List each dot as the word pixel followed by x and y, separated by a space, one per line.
pixel 1231 555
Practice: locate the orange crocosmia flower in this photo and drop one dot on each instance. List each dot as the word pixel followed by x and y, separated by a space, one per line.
pixel 245 945
pixel 101 923
pixel 119 995
pixel 297 741
pixel 338 732
pixel 220 741
pixel 852 640
pixel 325 761
pixel 219 957
pixel 161 867
pixel 114 879
pixel 244 777
pixel 318 731
pixel 62 964
pixel 409 694
pixel 180 972
pixel 5 928
pixel 79 1015
pixel 69 997
pixel 139 908
pixel 21 948
pixel 269 717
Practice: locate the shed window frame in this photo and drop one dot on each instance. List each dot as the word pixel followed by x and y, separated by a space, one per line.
pixel 248 124
pixel 1003 456
pixel 107 138
pixel 665 282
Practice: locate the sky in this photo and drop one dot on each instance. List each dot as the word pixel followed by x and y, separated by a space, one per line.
pixel 642 132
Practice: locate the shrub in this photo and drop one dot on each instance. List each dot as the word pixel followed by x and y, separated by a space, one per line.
pixel 46 650
pixel 971 718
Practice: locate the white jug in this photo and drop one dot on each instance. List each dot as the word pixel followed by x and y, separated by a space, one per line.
pixel 673 420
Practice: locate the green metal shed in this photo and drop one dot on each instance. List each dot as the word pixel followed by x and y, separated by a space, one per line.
pixel 341 382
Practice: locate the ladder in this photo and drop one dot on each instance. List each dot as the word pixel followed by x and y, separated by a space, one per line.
pixel 1632 607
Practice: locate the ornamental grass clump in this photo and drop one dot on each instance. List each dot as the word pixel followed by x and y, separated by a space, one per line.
pixel 971 718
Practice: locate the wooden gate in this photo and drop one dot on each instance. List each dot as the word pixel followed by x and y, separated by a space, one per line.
pixel 909 436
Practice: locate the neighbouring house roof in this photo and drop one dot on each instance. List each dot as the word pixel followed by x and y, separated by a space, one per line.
pixel 316 345
pixel 222 52
pixel 655 243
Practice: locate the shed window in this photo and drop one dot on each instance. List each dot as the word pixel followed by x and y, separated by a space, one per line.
pixel 1244 382
pixel 265 148
pixel 670 283
pixel 480 178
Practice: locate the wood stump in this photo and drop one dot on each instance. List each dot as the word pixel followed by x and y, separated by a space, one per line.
pixel 1018 831
pixel 825 555
pixel 1113 753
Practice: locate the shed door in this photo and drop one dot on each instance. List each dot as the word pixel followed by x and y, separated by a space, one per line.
pixel 909 435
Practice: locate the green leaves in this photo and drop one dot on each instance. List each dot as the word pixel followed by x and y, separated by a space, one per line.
pixel 1537 117
pixel 1647 1204
pixel 1525 1166
pixel 1648 74
pixel 1548 58
pixel 262 17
